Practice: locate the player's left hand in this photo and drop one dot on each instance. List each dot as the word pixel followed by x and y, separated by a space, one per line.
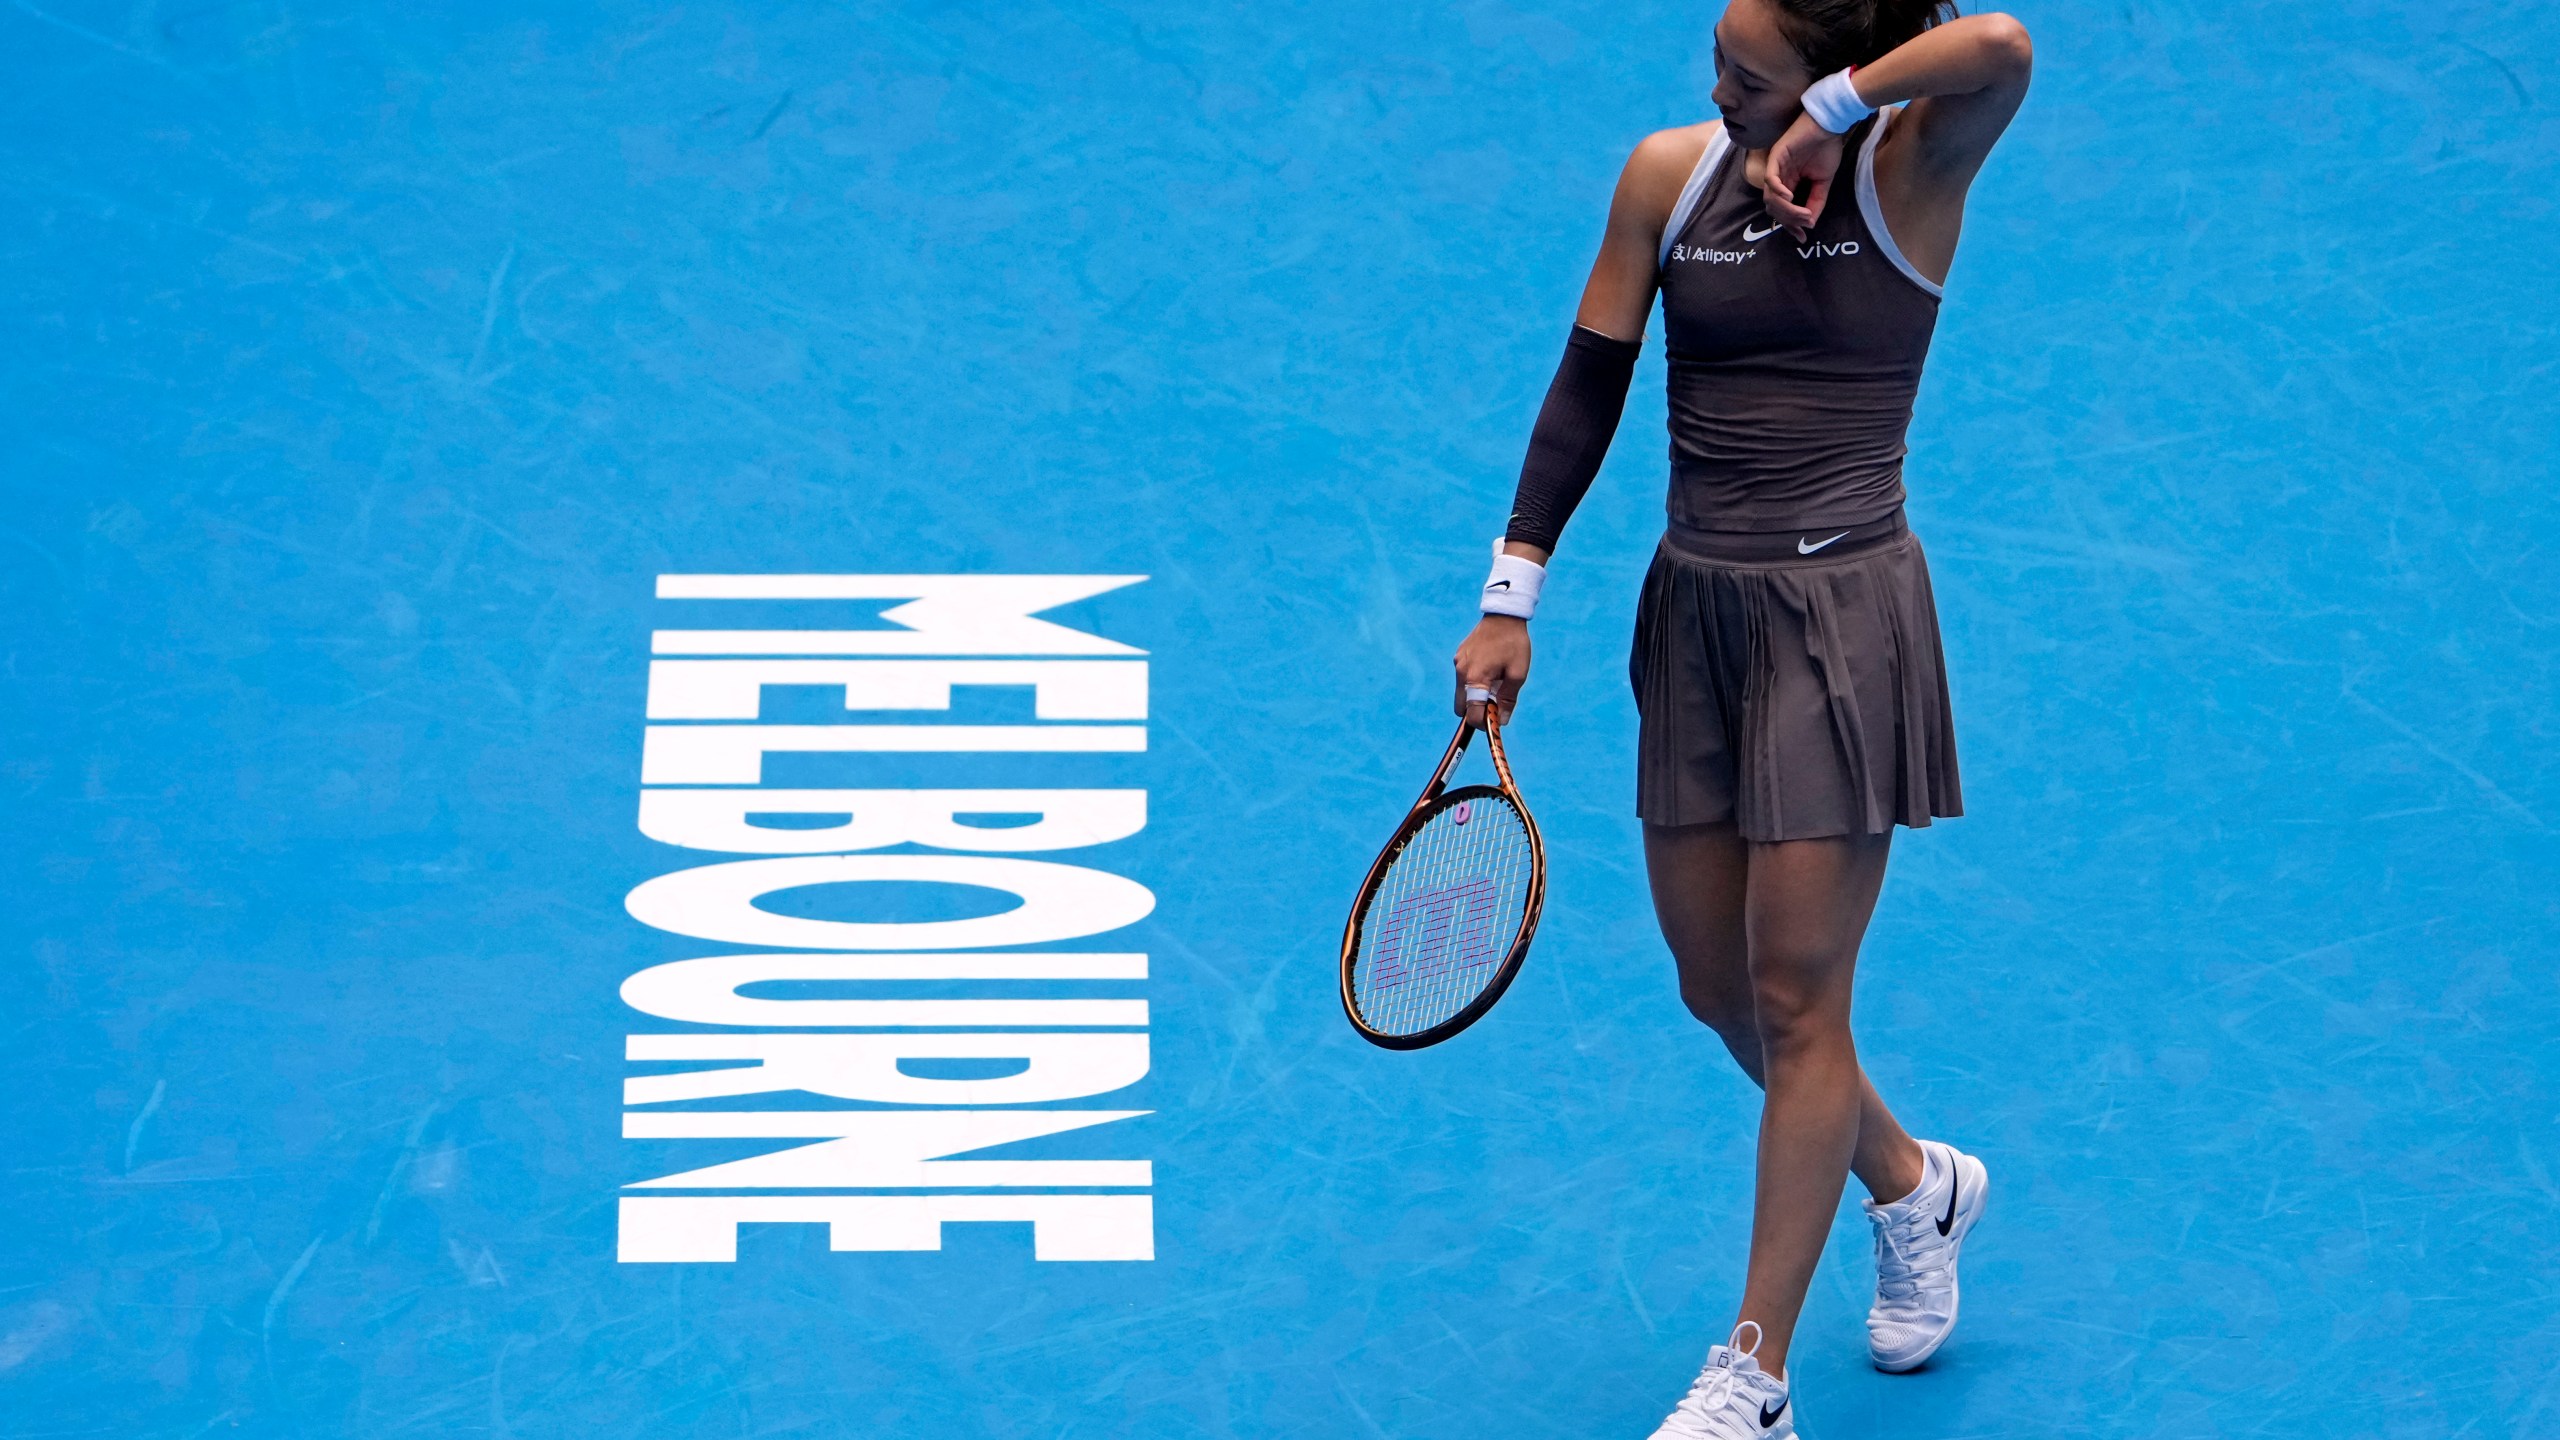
pixel 1804 159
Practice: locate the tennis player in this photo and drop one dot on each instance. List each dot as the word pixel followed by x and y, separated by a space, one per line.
pixel 1786 666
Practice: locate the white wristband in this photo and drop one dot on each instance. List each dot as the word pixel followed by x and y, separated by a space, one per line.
pixel 1834 104
pixel 1512 588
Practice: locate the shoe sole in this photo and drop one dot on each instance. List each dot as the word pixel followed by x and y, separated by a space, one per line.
pixel 1979 1176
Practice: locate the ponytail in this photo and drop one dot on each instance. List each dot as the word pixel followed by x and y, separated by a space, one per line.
pixel 1835 34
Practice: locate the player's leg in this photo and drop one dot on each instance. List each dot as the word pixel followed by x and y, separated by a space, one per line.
pixel 1699 874
pixel 1928 1194
pixel 1806 906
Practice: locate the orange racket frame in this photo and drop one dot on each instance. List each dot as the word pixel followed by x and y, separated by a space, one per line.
pixel 1435 798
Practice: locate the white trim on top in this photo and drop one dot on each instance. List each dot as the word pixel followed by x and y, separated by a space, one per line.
pixel 1869 207
pixel 1691 193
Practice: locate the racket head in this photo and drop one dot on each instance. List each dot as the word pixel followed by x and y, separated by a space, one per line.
pixel 1444 920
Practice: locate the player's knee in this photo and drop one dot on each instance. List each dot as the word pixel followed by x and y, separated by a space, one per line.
pixel 1724 1008
pixel 1792 1016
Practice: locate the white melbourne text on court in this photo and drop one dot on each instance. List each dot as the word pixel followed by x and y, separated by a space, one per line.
pixel 705 787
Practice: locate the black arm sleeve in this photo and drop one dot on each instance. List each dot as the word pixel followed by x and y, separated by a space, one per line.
pixel 1572 434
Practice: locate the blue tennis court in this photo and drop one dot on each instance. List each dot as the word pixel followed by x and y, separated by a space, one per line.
pixel 393 387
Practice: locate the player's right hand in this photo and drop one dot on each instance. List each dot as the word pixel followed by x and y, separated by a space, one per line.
pixel 1495 656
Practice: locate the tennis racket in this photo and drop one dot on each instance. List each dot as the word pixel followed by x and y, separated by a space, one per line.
pixel 1445 915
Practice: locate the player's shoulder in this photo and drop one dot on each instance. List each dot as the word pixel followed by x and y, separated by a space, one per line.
pixel 1662 162
pixel 1671 154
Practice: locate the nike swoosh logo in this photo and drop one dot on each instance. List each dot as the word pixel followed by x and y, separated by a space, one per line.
pixel 1749 234
pixel 1769 1417
pixel 1955 1181
pixel 1804 549
pixel 1499 585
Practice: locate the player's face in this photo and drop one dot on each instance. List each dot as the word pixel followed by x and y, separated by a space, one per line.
pixel 1759 76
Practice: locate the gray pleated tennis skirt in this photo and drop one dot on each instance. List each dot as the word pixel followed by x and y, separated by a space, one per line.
pixel 1795 691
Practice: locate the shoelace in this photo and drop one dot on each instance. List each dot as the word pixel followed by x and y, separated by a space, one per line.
pixel 1900 1272
pixel 1712 1392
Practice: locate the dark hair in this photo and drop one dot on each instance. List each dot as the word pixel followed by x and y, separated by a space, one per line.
pixel 1834 34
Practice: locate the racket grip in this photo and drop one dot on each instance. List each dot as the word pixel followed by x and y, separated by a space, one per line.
pixel 1479 694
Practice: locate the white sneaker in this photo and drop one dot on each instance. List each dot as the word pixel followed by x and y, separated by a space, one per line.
pixel 1917 1238
pixel 1732 1399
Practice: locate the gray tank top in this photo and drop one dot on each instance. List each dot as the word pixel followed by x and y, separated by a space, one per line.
pixel 1793 366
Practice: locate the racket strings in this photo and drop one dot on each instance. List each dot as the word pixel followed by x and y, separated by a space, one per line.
pixel 1445 916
